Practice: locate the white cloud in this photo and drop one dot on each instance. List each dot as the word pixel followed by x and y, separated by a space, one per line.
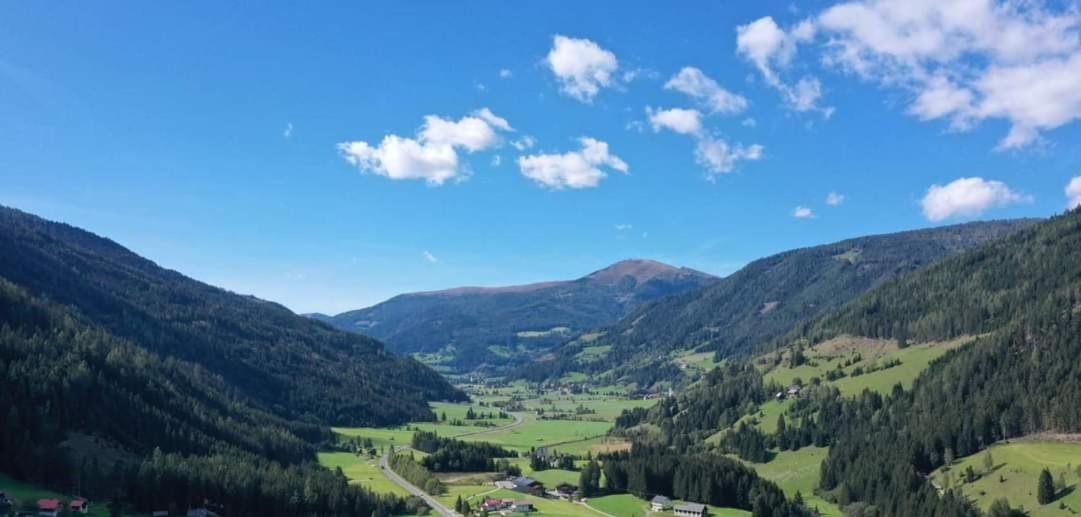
pixel 576 169
pixel 967 197
pixel 526 142
pixel 432 156
pixel 429 257
pixel 719 157
pixel 581 66
pixel 966 61
pixel 802 212
pixel 497 161
pixel 288 133
pixel 497 122
pixel 835 199
pixel 505 73
pixel 771 49
pixel 1073 193
pixel 693 82
pixel 749 122
pixel 623 227
pixel 679 120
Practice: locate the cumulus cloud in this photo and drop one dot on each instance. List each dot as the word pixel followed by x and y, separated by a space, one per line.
pixel 433 155
pixel 288 132
pixel 968 197
pixel 720 157
pixel 693 82
pixel 584 168
pixel 505 73
pixel 581 66
pixel 1073 193
pixel 679 120
pixel 834 199
pixel 771 49
pixel 429 257
pixel 965 61
pixel 802 212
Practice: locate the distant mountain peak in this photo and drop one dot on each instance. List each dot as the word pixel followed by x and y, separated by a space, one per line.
pixel 642 270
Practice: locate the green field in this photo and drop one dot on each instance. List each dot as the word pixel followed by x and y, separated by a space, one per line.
pixel 361 470
pixel 1017 466
pixel 798 471
pixel 21 492
pixel 626 505
pixel 828 355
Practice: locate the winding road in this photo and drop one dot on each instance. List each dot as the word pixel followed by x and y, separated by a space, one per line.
pixel 436 506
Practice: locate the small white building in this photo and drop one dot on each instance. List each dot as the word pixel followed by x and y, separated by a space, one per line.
pixel 690 510
pixel 660 503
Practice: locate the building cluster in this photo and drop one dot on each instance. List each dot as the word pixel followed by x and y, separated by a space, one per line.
pixel 660 503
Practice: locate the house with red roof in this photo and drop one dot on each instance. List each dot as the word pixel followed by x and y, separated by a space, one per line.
pixel 79 505
pixel 48 507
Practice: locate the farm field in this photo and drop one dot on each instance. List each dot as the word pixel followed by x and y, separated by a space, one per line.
pixel 568 436
pixel 1017 467
pixel 627 505
pixel 26 492
pixel 361 470
pixel 864 353
pixel 798 471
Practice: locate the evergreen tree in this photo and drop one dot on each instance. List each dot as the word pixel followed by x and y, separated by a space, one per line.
pixel 1045 487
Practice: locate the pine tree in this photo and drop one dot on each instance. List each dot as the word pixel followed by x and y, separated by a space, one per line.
pixel 1045 488
pixel 458 504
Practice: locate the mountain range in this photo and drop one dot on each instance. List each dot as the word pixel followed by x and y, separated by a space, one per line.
pixel 478 328
pixel 762 301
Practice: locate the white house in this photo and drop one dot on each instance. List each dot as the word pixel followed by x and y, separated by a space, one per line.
pixel 660 503
pixel 690 510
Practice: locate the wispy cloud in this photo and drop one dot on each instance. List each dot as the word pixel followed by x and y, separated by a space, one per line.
pixel 834 199
pixel 429 257
pixel 288 132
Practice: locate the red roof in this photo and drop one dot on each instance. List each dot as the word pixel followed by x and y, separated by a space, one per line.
pixel 48 504
pixel 78 503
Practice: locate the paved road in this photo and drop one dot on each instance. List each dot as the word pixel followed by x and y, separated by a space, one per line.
pixel 436 506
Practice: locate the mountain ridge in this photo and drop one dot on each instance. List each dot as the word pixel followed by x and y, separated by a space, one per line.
pixel 472 319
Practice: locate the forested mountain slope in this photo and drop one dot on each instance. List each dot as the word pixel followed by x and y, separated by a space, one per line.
pixel 771 296
pixel 274 359
pixel 119 378
pixel 1020 295
pixel 474 326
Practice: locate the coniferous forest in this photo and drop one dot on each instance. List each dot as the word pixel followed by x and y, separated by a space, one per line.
pixel 124 381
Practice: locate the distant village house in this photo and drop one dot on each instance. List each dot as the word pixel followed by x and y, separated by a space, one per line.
pixel 660 503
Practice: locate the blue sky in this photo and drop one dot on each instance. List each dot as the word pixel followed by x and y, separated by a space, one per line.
pixel 244 145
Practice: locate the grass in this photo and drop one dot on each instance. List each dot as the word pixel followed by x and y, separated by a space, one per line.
pixel 21 492
pixel 626 505
pixel 798 471
pixel 361 470
pixel 828 355
pixel 1017 467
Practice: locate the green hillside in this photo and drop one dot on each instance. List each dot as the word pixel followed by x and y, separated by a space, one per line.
pixel 742 313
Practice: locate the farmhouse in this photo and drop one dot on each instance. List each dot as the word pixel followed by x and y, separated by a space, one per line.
pixel 793 390
pixel 660 503
pixel 690 510
pixel 48 507
pixel 528 486
pixel 522 507
pixel 79 505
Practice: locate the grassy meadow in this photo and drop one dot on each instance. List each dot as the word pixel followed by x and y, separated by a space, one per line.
pixel 1015 469
pixel 21 492
pixel 863 353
